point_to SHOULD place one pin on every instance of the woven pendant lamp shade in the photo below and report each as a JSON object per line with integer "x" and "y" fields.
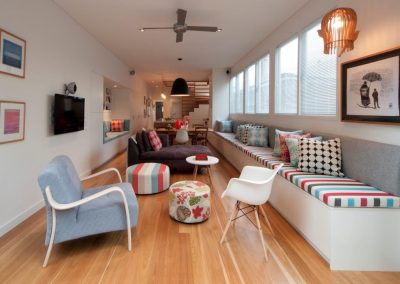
{"x": 338, "y": 29}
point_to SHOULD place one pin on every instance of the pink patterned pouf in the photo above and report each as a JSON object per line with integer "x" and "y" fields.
{"x": 189, "y": 201}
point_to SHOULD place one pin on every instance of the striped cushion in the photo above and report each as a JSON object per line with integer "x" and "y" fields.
{"x": 148, "y": 178}
{"x": 331, "y": 190}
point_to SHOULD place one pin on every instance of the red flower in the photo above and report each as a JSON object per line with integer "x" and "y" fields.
{"x": 197, "y": 212}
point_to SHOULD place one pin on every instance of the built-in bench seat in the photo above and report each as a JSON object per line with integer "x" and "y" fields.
{"x": 333, "y": 191}
{"x": 354, "y": 226}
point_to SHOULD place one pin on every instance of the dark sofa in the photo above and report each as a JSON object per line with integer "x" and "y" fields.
{"x": 173, "y": 156}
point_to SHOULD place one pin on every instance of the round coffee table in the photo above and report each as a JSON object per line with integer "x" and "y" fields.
{"x": 207, "y": 163}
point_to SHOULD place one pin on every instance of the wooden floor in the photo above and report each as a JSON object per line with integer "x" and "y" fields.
{"x": 165, "y": 251}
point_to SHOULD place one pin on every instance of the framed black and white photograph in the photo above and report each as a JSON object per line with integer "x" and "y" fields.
{"x": 371, "y": 89}
{"x": 12, "y": 54}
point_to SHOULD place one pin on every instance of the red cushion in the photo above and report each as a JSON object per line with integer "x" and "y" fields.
{"x": 117, "y": 125}
{"x": 155, "y": 141}
{"x": 285, "y": 155}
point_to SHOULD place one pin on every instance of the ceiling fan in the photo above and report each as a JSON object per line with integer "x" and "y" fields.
{"x": 181, "y": 27}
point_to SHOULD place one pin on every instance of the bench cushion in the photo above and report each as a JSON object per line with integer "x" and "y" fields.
{"x": 333, "y": 191}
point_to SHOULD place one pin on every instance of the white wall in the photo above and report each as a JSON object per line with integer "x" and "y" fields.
{"x": 58, "y": 51}
{"x": 379, "y": 25}
{"x": 120, "y": 104}
{"x": 139, "y": 90}
{"x": 219, "y": 106}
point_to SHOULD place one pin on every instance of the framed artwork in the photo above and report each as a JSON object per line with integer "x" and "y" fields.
{"x": 12, "y": 54}
{"x": 12, "y": 121}
{"x": 107, "y": 100}
{"x": 371, "y": 89}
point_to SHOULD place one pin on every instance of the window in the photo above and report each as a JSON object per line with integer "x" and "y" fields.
{"x": 317, "y": 76}
{"x": 250, "y": 89}
{"x": 240, "y": 91}
{"x": 262, "y": 85}
{"x": 309, "y": 89}
{"x": 232, "y": 95}
{"x": 286, "y": 81}
{"x": 236, "y": 94}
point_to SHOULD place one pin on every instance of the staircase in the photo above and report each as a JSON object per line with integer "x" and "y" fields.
{"x": 199, "y": 114}
{"x": 191, "y": 102}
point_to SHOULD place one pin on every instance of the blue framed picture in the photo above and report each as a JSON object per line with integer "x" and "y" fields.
{"x": 12, "y": 54}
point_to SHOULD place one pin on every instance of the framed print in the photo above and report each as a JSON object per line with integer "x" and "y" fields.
{"x": 370, "y": 88}
{"x": 12, "y": 121}
{"x": 12, "y": 54}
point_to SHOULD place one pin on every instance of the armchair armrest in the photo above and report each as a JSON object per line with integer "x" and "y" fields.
{"x": 103, "y": 172}
{"x": 66, "y": 206}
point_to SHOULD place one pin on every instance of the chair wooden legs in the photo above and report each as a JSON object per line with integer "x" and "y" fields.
{"x": 266, "y": 220}
{"x": 261, "y": 235}
{"x": 53, "y": 232}
{"x": 233, "y": 215}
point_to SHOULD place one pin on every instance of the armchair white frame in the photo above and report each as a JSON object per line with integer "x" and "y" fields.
{"x": 253, "y": 187}
{"x": 55, "y": 206}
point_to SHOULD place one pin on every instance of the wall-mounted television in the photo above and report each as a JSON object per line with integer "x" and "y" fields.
{"x": 69, "y": 114}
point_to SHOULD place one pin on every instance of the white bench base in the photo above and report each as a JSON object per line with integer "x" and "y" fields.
{"x": 358, "y": 239}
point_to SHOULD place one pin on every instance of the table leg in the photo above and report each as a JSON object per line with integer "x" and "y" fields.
{"x": 209, "y": 176}
{"x": 195, "y": 172}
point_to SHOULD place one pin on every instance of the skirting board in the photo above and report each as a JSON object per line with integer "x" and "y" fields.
{"x": 359, "y": 239}
{"x": 20, "y": 218}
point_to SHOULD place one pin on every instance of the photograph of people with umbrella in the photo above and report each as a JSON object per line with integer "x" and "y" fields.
{"x": 370, "y": 88}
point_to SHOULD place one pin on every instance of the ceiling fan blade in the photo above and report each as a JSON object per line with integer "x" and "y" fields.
{"x": 157, "y": 28}
{"x": 179, "y": 37}
{"x": 202, "y": 29}
{"x": 181, "y": 16}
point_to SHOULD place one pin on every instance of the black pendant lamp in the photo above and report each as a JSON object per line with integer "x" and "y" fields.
{"x": 180, "y": 88}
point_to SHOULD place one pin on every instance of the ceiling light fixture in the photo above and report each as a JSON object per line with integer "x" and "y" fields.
{"x": 180, "y": 88}
{"x": 338, "y": 29}
{"x": 180, "y": 59}
{"x": 142, "y": 30}
{"x": 115, "y": 86}
{"x": 163, "y": 96}
{"x": 219, "y": 30}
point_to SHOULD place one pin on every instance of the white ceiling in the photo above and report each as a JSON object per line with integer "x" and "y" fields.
{"x": 154, "y": 54}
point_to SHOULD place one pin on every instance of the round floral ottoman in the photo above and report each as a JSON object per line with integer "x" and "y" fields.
{"x": 148, "y": 178}
{"x": 189, "y": 201}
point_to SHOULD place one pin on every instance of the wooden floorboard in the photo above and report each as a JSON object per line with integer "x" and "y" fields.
{"x": 165, "y": 251}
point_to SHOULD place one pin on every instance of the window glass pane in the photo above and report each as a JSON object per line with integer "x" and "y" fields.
{"x": 317, "y": 76}
{"x": 286, "y": 81}
{"x": 250, "y": 89}
{"x": 262, "y": 82}
{"x": 232, "y": 95}
{"x": 239, "y": 94}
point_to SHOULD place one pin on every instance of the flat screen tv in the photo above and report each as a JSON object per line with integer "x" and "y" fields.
{"x": 69, "y": 114}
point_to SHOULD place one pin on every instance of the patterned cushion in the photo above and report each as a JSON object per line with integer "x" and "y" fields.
{"x": 322, "y": 157}
{"x": 224, "y": 126}
{"x": 107, "y": 126}
{"x": 277, "y": 144}
{"x": 117, "y": 125}
{"x": 257, "y": 137}
{"x": 292, "y": 144}
{"x": 155, "y": 141}
{"x": 239, "y": 131}
{"x": 285, "y": 155}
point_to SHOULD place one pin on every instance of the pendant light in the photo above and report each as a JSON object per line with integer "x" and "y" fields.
{"x": 180, "y": 88}
{"x": 338, "y": 29}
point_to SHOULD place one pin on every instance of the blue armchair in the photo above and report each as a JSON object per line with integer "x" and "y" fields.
{"x": 73, "y": 213}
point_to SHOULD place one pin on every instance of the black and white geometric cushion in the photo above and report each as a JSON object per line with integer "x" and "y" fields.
{"x": 321, "y": 157}
{"x": 245, "y": 132}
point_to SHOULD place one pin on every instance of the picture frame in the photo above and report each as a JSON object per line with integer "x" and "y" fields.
{"x": 12, "y": 54}
{"x": 370, "y": 88}
{"x": 12, "y": 121}
{"x": 107, "y": 99}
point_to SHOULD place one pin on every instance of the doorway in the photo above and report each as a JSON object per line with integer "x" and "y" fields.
{"x": 159, "y": 110}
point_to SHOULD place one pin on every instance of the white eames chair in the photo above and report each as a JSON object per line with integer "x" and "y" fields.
{"x": 253, "y": 188}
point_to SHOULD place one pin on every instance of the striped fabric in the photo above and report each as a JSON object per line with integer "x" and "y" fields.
{"x": 331, "y": 190}
{"x": 148, "y": 178}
